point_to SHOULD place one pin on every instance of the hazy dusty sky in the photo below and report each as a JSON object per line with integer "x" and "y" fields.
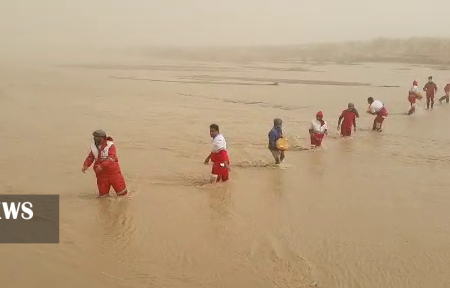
{"x": 214, "y": 22}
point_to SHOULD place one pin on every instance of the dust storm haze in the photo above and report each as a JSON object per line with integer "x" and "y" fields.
{"x": 56, "y": 24}
{"x": 369, "y": 211}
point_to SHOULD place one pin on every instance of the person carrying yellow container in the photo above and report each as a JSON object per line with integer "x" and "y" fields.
{"x": 277, "y": 143}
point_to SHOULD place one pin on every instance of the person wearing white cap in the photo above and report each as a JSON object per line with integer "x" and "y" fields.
{"x": 103, "y": 155}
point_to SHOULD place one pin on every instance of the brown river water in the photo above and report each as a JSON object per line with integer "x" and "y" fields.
{"x": 372, "y": 211}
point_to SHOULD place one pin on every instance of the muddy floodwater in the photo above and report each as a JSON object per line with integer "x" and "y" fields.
{"x": 367, "y": 212}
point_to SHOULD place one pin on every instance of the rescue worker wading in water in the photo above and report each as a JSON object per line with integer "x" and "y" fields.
{"x": 413, "y": 96}
{"x": 376, "y": 107}
{"x": 446, "y": 97}
{"x": 430, "y": 88}
{"x": 106, "y": 165}
{"x": 219, "y": 156}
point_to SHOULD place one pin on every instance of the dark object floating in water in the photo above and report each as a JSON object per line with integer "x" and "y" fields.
{"x": 192, "y": 81}
{"x": 285, "y": 81}
{"x": 388, "y": 86}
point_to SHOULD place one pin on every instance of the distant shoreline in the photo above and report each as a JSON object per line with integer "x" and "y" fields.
{"x": 423, "y": 51}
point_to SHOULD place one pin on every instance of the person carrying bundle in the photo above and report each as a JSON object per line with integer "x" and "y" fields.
{"x": 413, "y": 96}
{"x": 376, "y": 107}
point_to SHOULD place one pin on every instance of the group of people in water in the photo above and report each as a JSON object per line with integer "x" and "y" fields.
{"x": 430, "y": 89}
{"x": 105, "y": 162}
{"x": 319, "y": 127}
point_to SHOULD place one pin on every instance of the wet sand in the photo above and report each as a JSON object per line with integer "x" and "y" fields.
{"x": 371, "y": 211}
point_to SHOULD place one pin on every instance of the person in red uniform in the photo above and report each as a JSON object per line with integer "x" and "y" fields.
{"x": 219, "y": 156}
{"x": 430, "y": 88}
{"x": 349, "y": 116}
{"x": 376, "y": 107}
{"x": 318, "y": 130}
{"x": 413, "y": 96}
{"x": 446, "y": 97}
{"x": 106, "y": 165}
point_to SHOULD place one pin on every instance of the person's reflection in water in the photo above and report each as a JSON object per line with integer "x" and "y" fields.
{"x": 219, "y": 200}
{"x": 276, "y": 184}
{"x": 346, "y": 145}
{"x": 375, "y": 139}
{"x": 344, "y": 161}
{"x": 115, "y": 222}
{"x": 317, "y": 167}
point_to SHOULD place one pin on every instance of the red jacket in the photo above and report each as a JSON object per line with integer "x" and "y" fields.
{"x": 106, "y": 158}
{"x": 430, "y": 88}
{"x": 447, "y": 88}
{"x": 348, "y": 117}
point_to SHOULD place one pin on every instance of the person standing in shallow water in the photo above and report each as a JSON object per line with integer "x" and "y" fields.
{"x": 275, "y": 134}
{"x": 318, "y": 130}
{"x": 106, "y": 165}
{"x": 430, "y": 88}
{"x": 349, "y": 116}
{"x": 446, "y": 97}
{"x": 219, "y": 156}
{"x": 376, "y": 107}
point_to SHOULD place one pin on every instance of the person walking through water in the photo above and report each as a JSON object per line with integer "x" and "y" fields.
{"x": 219, "y": 156}
{"x": 413, "y": 96}
{"x": 376, "y": 107}
{"x": 430, "y": 88}
{"x": 274, "y": 135}
{"x": 446, "y": 97}
{"x": 106, "y": 165}
{"x": 318, "y": 130}
{"x": 349, "y": 116}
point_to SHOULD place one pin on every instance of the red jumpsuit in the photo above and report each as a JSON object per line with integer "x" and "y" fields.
{"x": 110, "y": 175}
{"x": 349, "y": 117}
{"x": 218, "y": 167}
{"x": 431, "y": 89}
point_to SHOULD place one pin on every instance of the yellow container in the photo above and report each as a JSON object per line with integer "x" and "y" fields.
{"x": 282, "y": 144}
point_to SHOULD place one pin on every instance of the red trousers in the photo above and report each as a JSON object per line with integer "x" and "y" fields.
{"x": 346, "y": 130}
{"x": 105, "y": 181}
{"x": 316, "y": 139}
{"x": 221, "y": 172}
{"x": 378, "y": 121}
